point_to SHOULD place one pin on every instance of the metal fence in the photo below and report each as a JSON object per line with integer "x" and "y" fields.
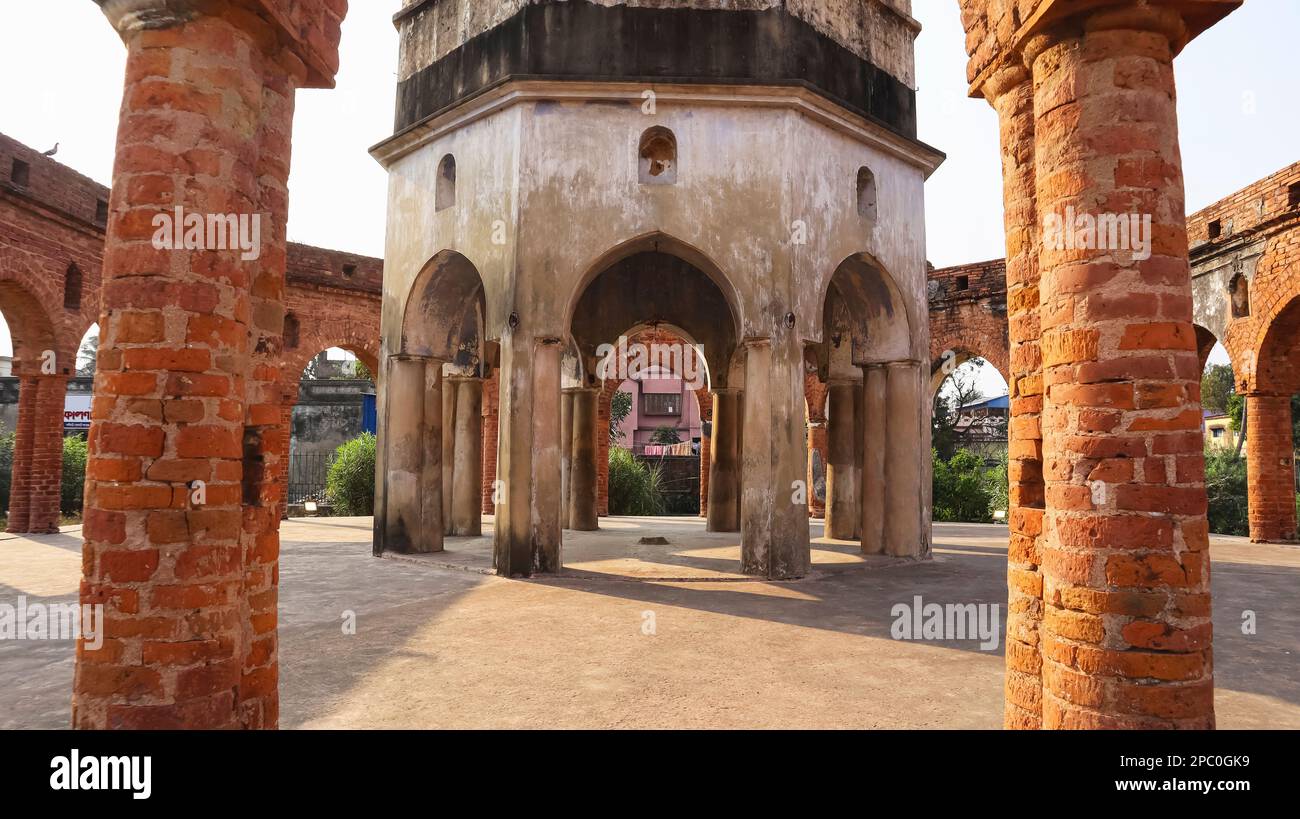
{"x": 307, "y": 473}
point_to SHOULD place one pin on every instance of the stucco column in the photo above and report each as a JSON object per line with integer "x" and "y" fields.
{"x": 1270, "y": 468}
{"x": 859, "y": 453}
{"x": 1011, "y": 94}
{"x": 1126, "y": 587}
{"x": 724, "y": 463}
{"x": 467, "y": 466}
{"x": 903, "y": 453}
{"x": 875, "y": 436}
{"x": 404, "y": 453}
{"x": 448, "y": 430}
{"x": 705, "y": 400}
{"x": 582, "y": 480}
{"x": 841, "y": 491}
{"x": 774, "y": 528}
{"x": 817, "y": 447}
{"x": 432, "y": 488}
{"x": 566, "y": 453}
{"x": 527, "y": 535}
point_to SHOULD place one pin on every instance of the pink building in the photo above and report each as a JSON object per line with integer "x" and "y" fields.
{"x": 659, "y": 402}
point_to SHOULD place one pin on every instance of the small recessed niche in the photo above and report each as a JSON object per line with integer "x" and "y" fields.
{"x": 20, "y": 173}
{"x": 658, "y": 157}
{"x": 1293, "y": 195}
{"x": 292, "y": 331}
{"x": 101, "y": 212}
{"x": 963, "y": 282}
{"x": 349, "y": 270}
{"x": 1239, "y": 295}
{"x": 72, "y": 288}
{"x": 866, "y": 194}
{"x": 1216, "y": 229}
{"x": 445, "y": 191}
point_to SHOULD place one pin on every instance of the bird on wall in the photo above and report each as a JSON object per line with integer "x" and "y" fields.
{"x": 52, "y": 151}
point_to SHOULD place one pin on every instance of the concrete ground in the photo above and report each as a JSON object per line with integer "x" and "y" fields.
{"x": 647, "y": 635}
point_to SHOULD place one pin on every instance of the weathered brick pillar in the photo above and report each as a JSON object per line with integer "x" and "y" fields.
{"x": 1126, "y": 626}
{"x": 704, "y": 399}
{"x": 1012, "y": 95}
{"x": 1270, "y": 465}
{"x": 45, "y": 477}
{"x": 490, "y": 421}
{"x": 817, "y": 448}
{"x": 583, "y": 470}
{"x": 186, "y": 388}
{"x": 566, "y": 453}
{"x": 603, "y": 410}
{"x": 725, "y": 483}
{"x": 20, "y": 496}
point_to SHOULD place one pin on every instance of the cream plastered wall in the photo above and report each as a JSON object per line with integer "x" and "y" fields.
{"x": 547, "y": 188}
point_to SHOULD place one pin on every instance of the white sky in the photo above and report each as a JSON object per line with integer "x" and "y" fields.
{"x": 63, "y": 68}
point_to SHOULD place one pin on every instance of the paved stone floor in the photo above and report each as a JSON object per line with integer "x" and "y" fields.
{"x": 647, "y": 636}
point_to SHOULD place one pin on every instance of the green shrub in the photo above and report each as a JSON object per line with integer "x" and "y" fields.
{"x": 961, "y": 489}
{"x": 634, "y": 488}
{"x": 350, "y": 484}
{"x": 6, "y": 470}
{"x": 73, "y": 490}
{"x": 1225, "y": 488}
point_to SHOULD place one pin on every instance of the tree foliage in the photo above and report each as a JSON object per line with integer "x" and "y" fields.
{"x": 634, "y": 488}
{"x": 350, "y": 483}
{"x": 73, "y": 489}
{"x": 1225, "y": 488}
{"x": 1217, "y": 386}
{"x": 620, "y": 407}
{"x": 962, "y": 489}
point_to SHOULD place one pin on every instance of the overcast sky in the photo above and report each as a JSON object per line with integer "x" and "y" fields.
{"x": 62, "y": 67}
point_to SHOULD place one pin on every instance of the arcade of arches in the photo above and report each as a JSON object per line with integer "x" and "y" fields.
{"x": 1108, "y": 622}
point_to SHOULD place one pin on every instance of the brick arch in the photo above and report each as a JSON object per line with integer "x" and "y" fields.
{"x": 1273, "y": 292}
{"x": 961, "y": 351}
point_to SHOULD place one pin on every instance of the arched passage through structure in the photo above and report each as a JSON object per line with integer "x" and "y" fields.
{"x": 42, "y": 361}
{"x": 653, "y": 303}
{"x": 876, "y": 479}
{"x": 1270, "y": 439}
{"x": 430, "y": 412}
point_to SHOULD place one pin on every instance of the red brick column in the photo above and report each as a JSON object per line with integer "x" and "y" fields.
{"x": 20, "y": 491}
{"x": 1012, "y": 96}
{"x": 603, "y": 403}
{"x": 705, "y": 399}
{"x": 817, "y": 447}
{"x": 491, "y": 419}
{"x": 186, "y": 388}
{"x": 1126, "y": 625}
{"x": 1270, "y": 465}
{"x": 36, "y": 486}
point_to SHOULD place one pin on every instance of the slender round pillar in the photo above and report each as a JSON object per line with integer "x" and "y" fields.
{"x": 841, "y": 500}
{"x": 1125, "y": 636}
{"x": 1270, "y": 467}
{"x": 724, "y": 463}
{"x": 432, "y": 489}
{"x": 467, "y": 467}
{"x": 903, "y": 490}
{"x": 582, "y": 481}
{"x": 566, "y": 453}
{"x": 875, "y": 436}
{"x": 448, "y": 453}
{"x": 404, "y": 455}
